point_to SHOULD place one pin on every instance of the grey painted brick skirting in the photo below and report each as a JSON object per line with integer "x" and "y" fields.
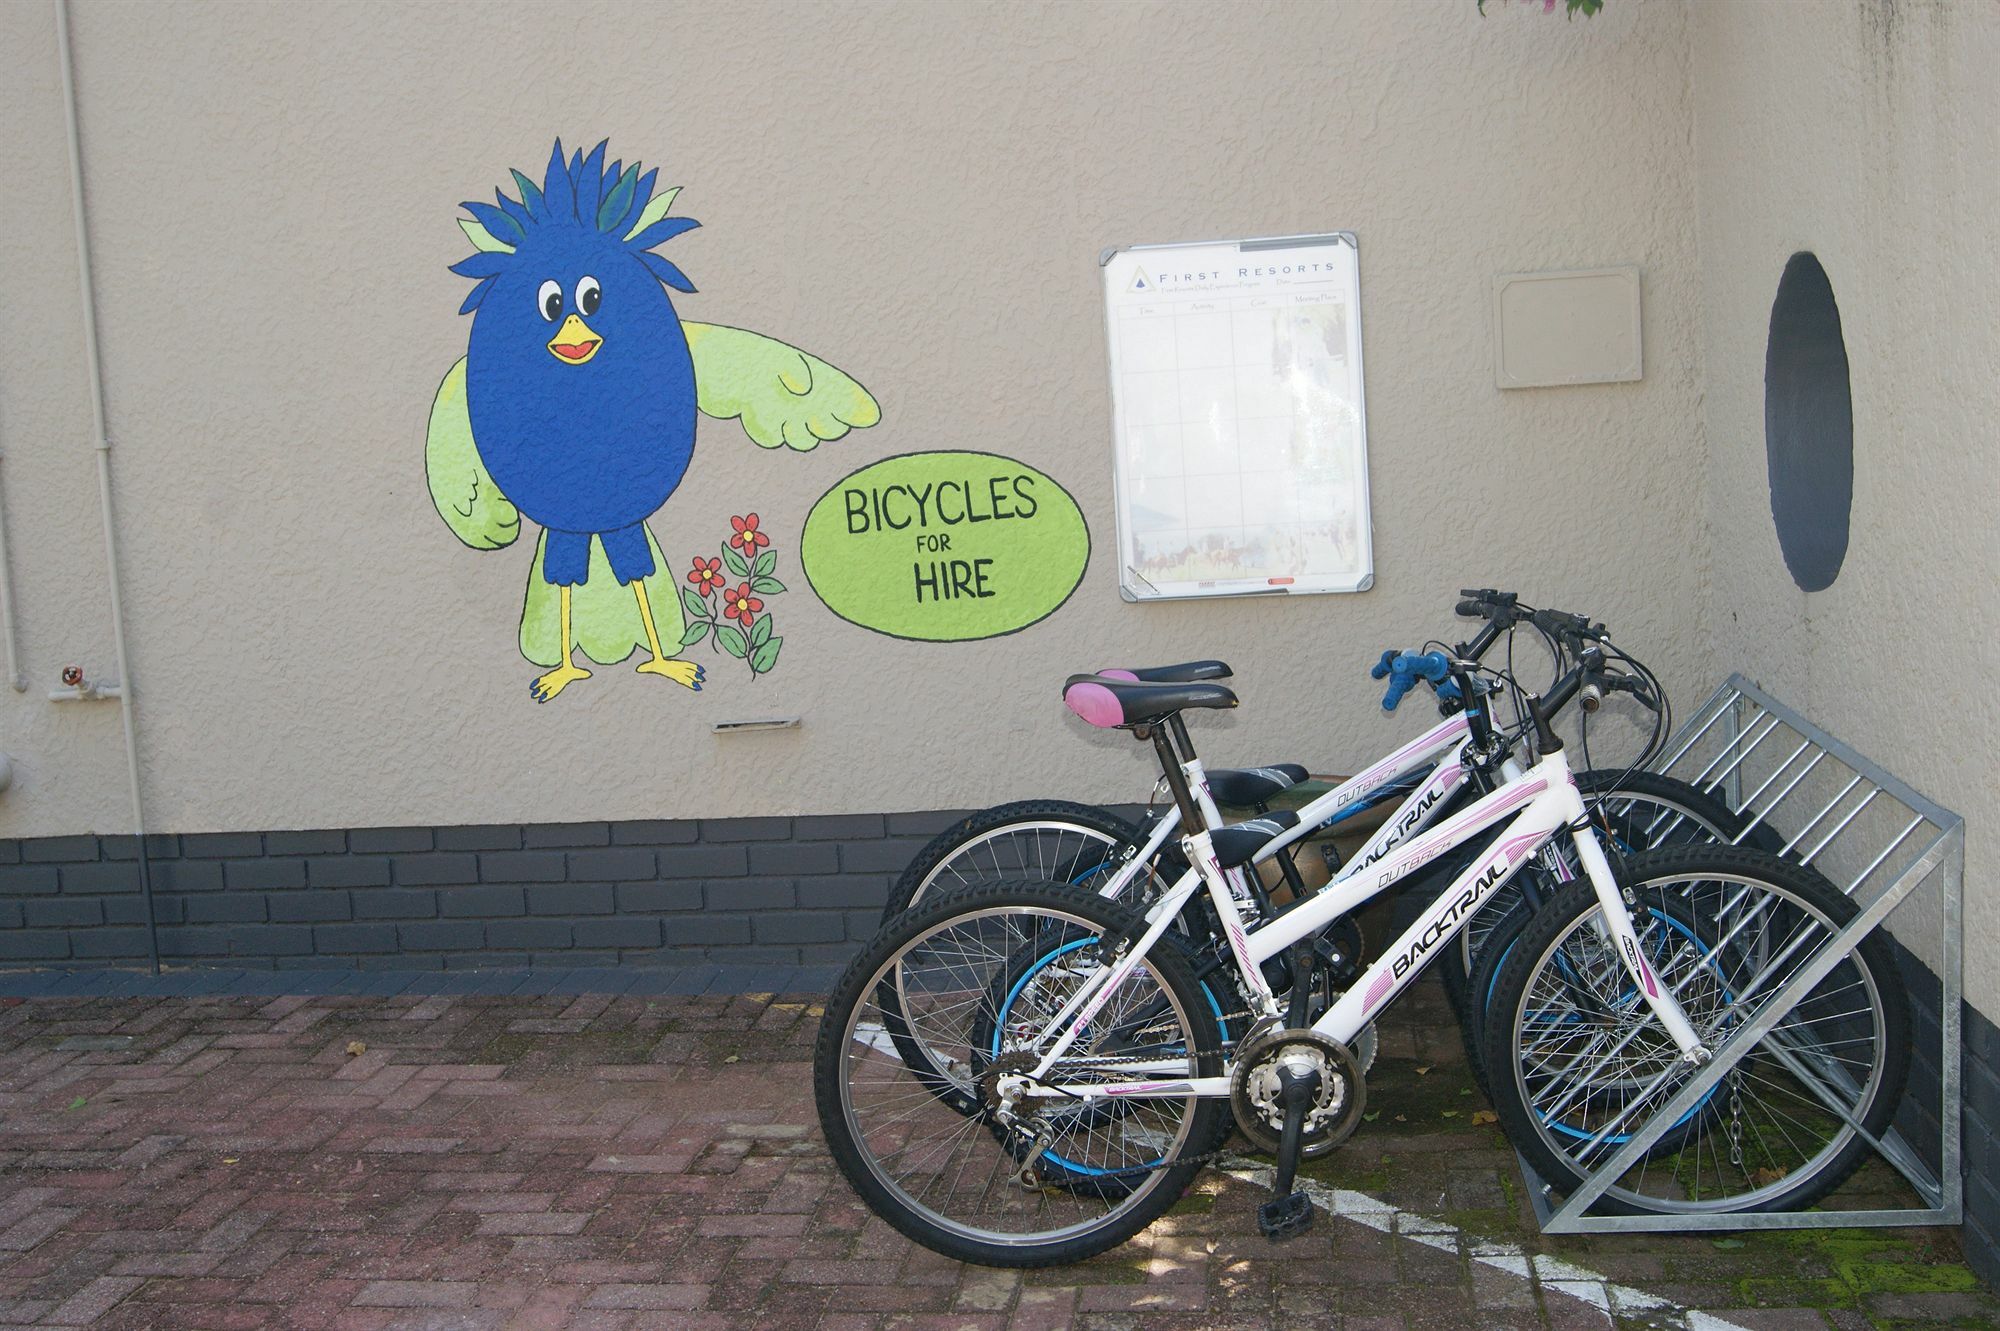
{"x": 737, "y": 891}
{"x": 1980, "y": 1094}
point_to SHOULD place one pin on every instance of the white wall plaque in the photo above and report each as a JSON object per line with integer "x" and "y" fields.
{"x": 1578, "y": 327}
{"x": 1241, "y": 440}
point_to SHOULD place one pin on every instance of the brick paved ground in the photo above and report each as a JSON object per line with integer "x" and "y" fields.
{"x": 600, "y": 1161}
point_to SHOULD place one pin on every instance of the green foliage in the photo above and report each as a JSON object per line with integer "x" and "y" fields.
{"x": 729, "y": 617}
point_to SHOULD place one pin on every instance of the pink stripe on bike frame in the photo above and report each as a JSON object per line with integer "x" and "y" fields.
{"x": 1514, "y": 847}
{"x": 1401, "y": 758}
{"x": 1095, "y": 704}
{"x": 1125, "y": 675}
{"x": 1383, "y": 983}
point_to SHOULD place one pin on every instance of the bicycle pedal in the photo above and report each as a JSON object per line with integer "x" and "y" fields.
{"x": 1285, "y": 1217}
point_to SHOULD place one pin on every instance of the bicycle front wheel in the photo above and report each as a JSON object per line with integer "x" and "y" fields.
{"x": 1633, "y": 812}
{"x": 1578, "y": 1064}
{"x": 1070, "y": 1175}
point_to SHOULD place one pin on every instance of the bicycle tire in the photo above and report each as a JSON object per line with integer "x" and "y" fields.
{"x": 1728, "y": 900}
{"x": 848, "y": 1040}
{"x": 1696, "y": 813}
{"x": 967, "y": 851}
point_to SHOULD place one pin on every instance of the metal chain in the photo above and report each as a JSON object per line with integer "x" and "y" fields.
{"x": 1735, "y": 1119}
{"x": 1026, "y": 1175}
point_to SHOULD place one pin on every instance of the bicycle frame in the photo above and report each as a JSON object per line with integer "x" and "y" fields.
{"x": 1542, "y": 802}
{"x": 1440, "y": 748}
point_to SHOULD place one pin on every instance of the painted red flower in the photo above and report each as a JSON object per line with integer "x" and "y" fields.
{"x": 706, "y": 574}
{"x": 747, "y": 538}
{"x": 741, "y": 606}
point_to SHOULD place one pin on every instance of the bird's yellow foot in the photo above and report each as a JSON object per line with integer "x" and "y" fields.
{"x": 680, "y": 672}
{"x": 548, "y": 686}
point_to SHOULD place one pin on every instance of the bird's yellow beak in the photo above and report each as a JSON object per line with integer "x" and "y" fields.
{"x": 575, "y": 343}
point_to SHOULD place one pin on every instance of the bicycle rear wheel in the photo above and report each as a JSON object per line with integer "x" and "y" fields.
{"x": 1578, "y": 1063}
{"x": 979, "y": 972}
{"x": 1045, "y": 840}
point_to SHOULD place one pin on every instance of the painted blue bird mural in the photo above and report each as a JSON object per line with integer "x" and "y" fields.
{"x": 575, "y": 405}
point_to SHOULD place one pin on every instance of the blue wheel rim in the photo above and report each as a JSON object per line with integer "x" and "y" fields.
{"x": 1000, "y": 1028}
{"x": 1624, "y": 995}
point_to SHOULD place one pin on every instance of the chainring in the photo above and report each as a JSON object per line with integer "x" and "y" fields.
{"x": 1335, "y": 1112}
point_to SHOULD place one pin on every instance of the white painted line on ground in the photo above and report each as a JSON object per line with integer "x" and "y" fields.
{"x": 1551, "y": 1273}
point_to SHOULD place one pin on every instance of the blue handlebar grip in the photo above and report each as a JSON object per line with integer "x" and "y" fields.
{"x": 1404, "y": 669}
{"x": 1380, "y": 670}
{"x": 1433, "y": 666}
{"x": 1400, "y": 682}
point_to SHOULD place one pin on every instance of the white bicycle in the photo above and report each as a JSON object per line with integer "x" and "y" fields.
{"x": 1097, "y": 1078}
{"x": 1425, "y": 779}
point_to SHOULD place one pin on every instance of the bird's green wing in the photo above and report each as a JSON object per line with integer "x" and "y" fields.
{"x": 466, "y": 497}
{"x": 784, "y": 395}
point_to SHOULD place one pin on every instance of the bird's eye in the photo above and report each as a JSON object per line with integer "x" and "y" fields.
{"x": 588, "y": 294}
{"x": 549, "y": 300}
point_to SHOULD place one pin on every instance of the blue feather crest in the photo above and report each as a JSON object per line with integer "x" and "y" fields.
{"x": 577, "y": 192}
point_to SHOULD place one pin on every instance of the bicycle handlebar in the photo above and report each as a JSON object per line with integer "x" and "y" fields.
{"x": 1404, "y": 669}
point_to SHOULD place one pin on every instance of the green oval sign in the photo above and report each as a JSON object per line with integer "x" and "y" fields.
{"x": 945, "y": 547}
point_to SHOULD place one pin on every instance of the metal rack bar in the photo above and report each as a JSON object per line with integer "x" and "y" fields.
{"x": 1935, "y": 860}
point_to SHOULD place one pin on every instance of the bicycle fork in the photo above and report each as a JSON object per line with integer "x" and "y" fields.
{"x": 1616, "y": 915}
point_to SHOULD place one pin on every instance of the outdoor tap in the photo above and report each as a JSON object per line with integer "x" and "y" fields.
{"x": 78, "y": 689}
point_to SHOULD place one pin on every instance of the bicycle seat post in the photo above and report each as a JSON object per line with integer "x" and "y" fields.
{"x": 1170, "y": 767}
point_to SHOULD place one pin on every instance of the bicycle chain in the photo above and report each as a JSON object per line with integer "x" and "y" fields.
{"x": 1735, "y": 1119}
{"x": 1038, "y": 1146}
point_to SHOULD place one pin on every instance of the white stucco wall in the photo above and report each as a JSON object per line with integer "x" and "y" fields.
{"x": 916, "y": 192}
{"x": 1870, "y": 135}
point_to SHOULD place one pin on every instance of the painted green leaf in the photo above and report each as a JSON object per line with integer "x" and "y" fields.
{"x": 482, "y": 239}
{"x": 531, "y": 193}
{"x": 696, "y": 607}
{"x": 695, "y": 632}
{"x": 766, "y": 656}
{"x": 731, "y": 639}
{"x": 619, "y": 199}
{"x": 766, "y": 586}
{"x": 760, "y": 632}
{"x": 945, "y": 547}
{"x": 766, "y": 562}
{"x": 735, "y": 562}
{"x": 653, "y": 211}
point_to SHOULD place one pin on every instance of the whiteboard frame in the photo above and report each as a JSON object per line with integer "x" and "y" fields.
{"x": 1127, "y": 575}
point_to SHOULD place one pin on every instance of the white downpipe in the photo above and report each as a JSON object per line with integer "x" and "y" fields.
{"x": 96, "y": 374}
{"x": 14, "y": 675}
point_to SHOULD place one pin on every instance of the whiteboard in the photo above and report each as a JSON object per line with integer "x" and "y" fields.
{"x": 1241, "y": 441}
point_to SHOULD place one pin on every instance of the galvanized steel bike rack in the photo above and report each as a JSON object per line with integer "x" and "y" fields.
{"x": 1768, "y": 762}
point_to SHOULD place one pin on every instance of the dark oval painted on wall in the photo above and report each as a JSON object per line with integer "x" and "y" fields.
{"x": 945, "y": 547}
{"x": 1808, "y": 425}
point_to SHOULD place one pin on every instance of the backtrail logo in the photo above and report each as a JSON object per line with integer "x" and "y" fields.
{"x": 1416, "y": 814}
{"x": 1444, "y": 925}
